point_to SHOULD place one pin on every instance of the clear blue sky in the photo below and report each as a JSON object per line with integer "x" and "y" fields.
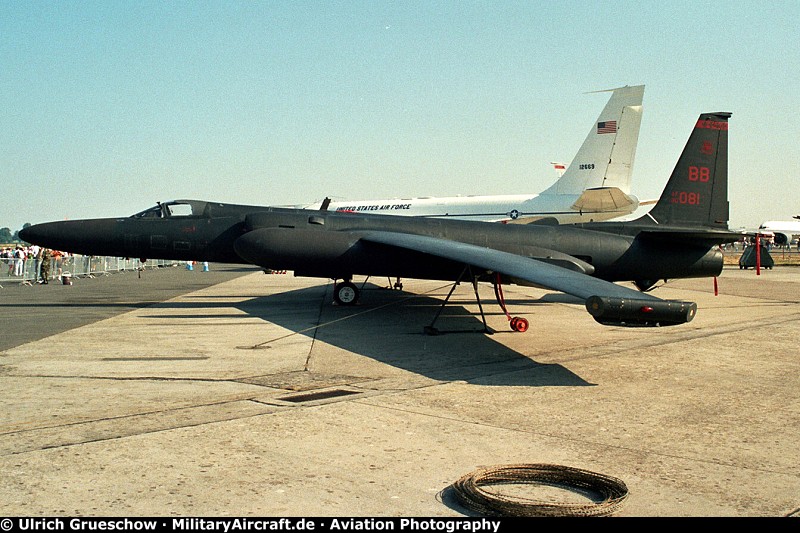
{"x": 108, "y": 107}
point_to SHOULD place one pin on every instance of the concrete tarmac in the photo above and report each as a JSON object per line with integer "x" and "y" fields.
{"x": 252, "y": 395}
{"x": 31, "y": 312}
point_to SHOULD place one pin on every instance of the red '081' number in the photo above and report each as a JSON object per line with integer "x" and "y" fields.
{"x": 686, "y": 198}
{"x": 698, "y": 174}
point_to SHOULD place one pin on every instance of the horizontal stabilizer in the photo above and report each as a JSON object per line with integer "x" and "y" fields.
{"x": 605, "y": 199}
{"x": 689, "y": 236}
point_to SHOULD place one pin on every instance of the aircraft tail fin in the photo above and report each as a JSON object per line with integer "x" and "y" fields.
{"x": 696, "y": 195}
{"x": 606, "y": 157}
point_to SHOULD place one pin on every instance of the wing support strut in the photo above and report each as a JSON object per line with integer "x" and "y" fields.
{"x": 432, "y": 330}
{"x": 517, "y": 323}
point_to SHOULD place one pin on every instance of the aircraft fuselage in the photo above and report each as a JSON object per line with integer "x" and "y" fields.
{"x": 327, "y": 244}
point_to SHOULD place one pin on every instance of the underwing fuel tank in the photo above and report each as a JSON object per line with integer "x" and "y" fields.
{"x": 631, "y": 312}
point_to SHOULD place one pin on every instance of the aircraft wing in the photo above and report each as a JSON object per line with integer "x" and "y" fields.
{"x": 532, "y": 270}
{"x": 608, "y": 302}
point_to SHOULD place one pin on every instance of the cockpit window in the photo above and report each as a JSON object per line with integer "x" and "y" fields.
{"x": 153, "y": 212}
{"x": 179, "y": 210}
{"x": 172, "y": 209}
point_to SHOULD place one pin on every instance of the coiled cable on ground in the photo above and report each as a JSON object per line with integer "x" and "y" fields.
{"x": 606, "y": 492}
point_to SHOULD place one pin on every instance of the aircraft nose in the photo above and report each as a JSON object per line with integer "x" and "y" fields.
{"x": 90, "y": 237}
{"x": 27, "y": 235}
{"x": 41, "y": 234}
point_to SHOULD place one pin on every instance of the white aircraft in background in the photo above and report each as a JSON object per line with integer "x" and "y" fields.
{"x": 594, "y": 187}
{"x": 785, "y": 231}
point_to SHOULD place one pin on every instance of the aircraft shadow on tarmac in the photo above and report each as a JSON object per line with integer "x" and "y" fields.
{"x": 387, "y": 326}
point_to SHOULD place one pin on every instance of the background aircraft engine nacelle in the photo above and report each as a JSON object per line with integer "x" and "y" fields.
{"x": 632, "y": 312}
{"x": 293, "y": 248}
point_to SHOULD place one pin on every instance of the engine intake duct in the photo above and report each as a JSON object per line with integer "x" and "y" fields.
{"x": 631, "y": 312}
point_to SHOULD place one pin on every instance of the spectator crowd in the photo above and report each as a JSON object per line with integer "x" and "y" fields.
{"x": 48, "y": 264}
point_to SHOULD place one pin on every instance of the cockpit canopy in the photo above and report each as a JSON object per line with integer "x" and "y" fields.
{"x": 175, "y": 208}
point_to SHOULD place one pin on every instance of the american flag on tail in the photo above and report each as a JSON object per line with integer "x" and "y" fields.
{"x": 609, "y": 126}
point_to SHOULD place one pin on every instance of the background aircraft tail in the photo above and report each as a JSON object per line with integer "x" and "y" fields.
{"x": 606, "y": 157}
{"x": 696, "y": 195}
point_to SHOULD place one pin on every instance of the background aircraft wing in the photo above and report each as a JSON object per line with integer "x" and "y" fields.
{"x": 534, "y": 271}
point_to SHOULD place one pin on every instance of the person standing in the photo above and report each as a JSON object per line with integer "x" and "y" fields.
{"x": 19, "y": 261}
{"x": 36, "y": 253}
{"x": 58, "y": 256}
{"x": 45, "y": 266}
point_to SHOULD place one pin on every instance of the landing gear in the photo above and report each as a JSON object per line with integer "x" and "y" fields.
{"x": 517, "y": 323}
{"x": 431, "y": 330}
{"x": 345, "y": 293}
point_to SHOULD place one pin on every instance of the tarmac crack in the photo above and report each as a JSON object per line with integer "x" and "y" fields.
{"x": 316, "y": 328}
{"x": 771, "y": 299}
{"x": 89, "y": 431}
{"x": 685, "y": 336}
{"x": 129, "y": 378}
{"x": 366, "y": 401}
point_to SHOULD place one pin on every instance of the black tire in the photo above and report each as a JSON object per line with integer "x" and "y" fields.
{"x": 345, "y": 293}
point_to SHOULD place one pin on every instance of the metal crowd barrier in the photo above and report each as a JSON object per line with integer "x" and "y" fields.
{"x": 27, "y": 270}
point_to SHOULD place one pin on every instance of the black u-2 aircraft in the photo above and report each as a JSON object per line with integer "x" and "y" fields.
{"x": 678, "y": 238}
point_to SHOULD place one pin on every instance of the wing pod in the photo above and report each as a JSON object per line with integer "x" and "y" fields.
{"x": 612, "y": 311}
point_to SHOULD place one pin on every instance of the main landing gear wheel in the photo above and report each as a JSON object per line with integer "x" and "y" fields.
{"x": 345, "y": 293}
{"x": 519, "y": 324}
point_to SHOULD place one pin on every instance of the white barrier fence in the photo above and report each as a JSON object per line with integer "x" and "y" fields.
{"x": 28, "y": 270}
